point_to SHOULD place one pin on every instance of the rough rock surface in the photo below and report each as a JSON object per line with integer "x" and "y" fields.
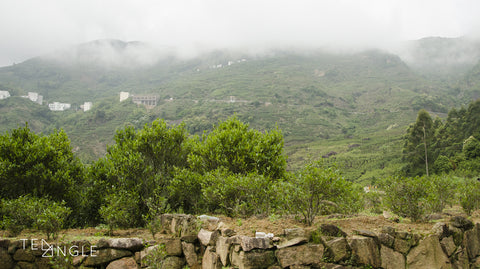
{"x": 339, "y": 248}
{"x": 391, "y": 259}
{"x": 365, "y": 251}
{"x": 428, "y": 254}
{"x": 300, "y": 255}
{"x": 124, "y": 263}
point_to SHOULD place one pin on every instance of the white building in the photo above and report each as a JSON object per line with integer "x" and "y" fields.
{"x": 124, "y": 96}
{"x": 56, "y": 106}
{"x": 4, "y": 94}
{"x": 86, "y": 106}
{"x": 35, "y": 97}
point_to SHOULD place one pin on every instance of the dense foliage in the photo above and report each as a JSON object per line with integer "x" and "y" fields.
{"x": 232, "y": 170}
{"x": 444, "y": 146}
{"x": 32, "y": 212}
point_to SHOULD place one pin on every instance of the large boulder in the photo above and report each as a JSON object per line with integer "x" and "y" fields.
{"x": 173, "y": 247}
{"x": 461, "y": 222}
{"x": 293, "y": 233}
{"x": 132, "y": 244}
{"x": 222, "y": 248}
{"x": 441, "y": 230}
{"x": 190, "y": 254}
{"x": 182, "y": 225}
{"x": 123, "y": 263}
{"x": 448, "y": 245}
{"x": 24, "y": 255}
{"x": 292, "y": 242}
{"x": 104, "y": 256}
{"x": 391, "y": 259}
{"x": 471, "y": 241}
{"x": 211, "y": 260}
{"x": 402, "y": 246}
{"x": 386, "y": 239}
{"x": 256, "y": 259}
{"x": 249, "y": 243}
{"x": 457, "y": 234}
{"x": 331, "y": 230}
{"x": 205, "y": 237}
{"x": 428, "y": 254}
{"x": 173, "y": 262}
{"x": 309, "y": 254}
{"x": 365, "y": 251}
{"x": 339, "y": 249}
{"x": 462, "y": 261}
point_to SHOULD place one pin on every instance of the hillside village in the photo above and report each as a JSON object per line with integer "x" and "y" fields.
{"x": 55, "y": 106}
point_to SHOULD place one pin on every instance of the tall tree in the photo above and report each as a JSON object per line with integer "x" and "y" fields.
{"x": 418, "y": 144}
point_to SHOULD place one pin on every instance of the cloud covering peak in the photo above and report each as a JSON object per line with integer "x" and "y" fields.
{"x": 31, "y": 28}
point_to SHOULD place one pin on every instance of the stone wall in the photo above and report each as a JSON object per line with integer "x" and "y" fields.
{"x": 208, "y": 243}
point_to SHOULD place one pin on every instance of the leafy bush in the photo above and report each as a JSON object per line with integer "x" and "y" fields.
{"x": 319, "y": 190}
{"x": 240, "y": 150}
{"x": 236, "y": 194}
{"x": 373, "y": 201}
{"x": 19, "y": 214}
{"x": 440, "y": 192}
{"x": 52, "y": 218}
{"x": 155, "y": 258}
{"x": 32, "y": 212}
{"x": 121, "y": 210}
{"x": 157, "y": 206}
{"x": 442, "y": 165}
{"x": 469, "y": 195}
{"x": 469, "y": 168}
{"x": 471, "y": 148}
{"x": 405, "y": 196}
{"x": 185, "y": 191}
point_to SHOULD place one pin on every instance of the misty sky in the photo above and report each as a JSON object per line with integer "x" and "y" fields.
{"x": 31, "y": 28}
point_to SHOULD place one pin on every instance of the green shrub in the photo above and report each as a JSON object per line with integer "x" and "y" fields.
{"x": 440, "y": 192}
{"x": 32, "y": 212}
{"x": 469, "y": 195}
{"x": 52, "y": 218}
{"x": 237, "y": 195}
{"x": 155, "y": 258}
{"x": 18, "y": 214}
{"x": 405, "y": 196}
{"x": 121, "y": 210}
{"x": 185, "y": 191}
{"x": 316, "y": 190}
{"x": 373, "y": 201}
{"x": 157, "y": 206}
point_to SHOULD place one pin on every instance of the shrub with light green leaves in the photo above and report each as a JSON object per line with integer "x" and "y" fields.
{"x": 406, "y": 196}
{"x": 121, "y": 210}
{"x": 469, "y": 195}
{"x": 52, "y": 218}
{"x": 32, "y": 212}
{"x": 319, "y": 189}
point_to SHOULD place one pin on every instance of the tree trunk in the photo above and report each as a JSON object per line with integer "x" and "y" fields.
{"x": 425, "y": 144}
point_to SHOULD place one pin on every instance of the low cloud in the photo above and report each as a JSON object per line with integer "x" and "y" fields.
{"x": 31, "y": 28}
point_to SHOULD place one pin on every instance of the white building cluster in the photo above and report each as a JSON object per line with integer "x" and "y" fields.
{"x": 86, "y": 106}
{"x": 34, "y": 97}
{"x": 4, "y": 95}
{"x": 57, "y": 106}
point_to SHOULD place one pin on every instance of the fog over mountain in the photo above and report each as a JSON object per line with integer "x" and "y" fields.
{"x": 30, "y": 28}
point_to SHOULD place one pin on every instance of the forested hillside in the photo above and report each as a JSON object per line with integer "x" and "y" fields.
{"x": 352, "y": 107}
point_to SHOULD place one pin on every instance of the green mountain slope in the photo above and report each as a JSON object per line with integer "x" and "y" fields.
{"x": 357, "y": 105}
